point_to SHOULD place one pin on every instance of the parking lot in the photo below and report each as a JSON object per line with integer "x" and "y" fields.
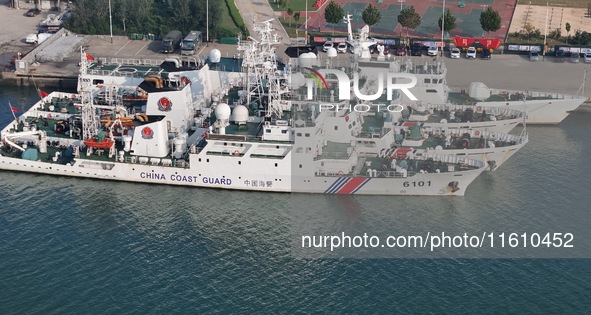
{"x": 15, "y": 27}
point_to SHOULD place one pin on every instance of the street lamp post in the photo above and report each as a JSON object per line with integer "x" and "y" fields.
{"x": 306, "y": 26}
{"x": 110, "y": 21}
{"x": 207, "y": 20}
{"x": 545, "y": 34}
{"x": 442, "y": 28}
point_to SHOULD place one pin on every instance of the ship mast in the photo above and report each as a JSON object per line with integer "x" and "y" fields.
{"x": 90, "y": 122}
{"x": 260, "y": 65}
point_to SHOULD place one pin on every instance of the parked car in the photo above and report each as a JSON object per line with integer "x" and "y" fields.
{"x": 342, "y": 48}
{"x": 560, "y": 55}
{"x": 390, "y": 49}
{"x": 471, "y": 53}
{"x": 416, "y": 50}
{"x": 432, "y": 51}
{"x": 33, "y": 12}
{"x": 588, "y": 58}
{"x": 171, "y": 41}
{"x": 37, "y": 38}
{"x": 574, "y": 57}
{"x": 534, "y": 56}
{"x": 326, "y": 46}
{"x": 455, "y": 53}
{"x": 485, "y": 54}
{"x": 400, "y": 50}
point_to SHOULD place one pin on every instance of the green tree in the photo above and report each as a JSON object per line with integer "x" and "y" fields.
{"x": 333, "y": 14}
{"x": 409, "y": 18}
{"x": 371, "y": 15}
{"x": 567, "y": 26}
{"x": 450, "y": 21}
{"x": 490, "y": 20}
{"x": 289, "y": 13}
{"x": 296, "y": 17}
{"x": 581, "y": 38}
{"x": 529, "y": 30}
{"x": 145, "y": 16}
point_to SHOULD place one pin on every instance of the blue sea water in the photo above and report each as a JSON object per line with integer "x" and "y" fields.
{"x": 77, "y": 246}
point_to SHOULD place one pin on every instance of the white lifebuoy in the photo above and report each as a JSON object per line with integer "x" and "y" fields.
{"x": 48, "y": 115}
{"x": 340, "y": 173}
{"x": 477, "y": 133}
{"x": 236, "y": 153}
{"x": 478, "y": 108}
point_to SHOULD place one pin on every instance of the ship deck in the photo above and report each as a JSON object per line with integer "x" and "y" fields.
{"x": 465, "y": 99}
{"x": 384, "y": 167}
{"x": 474, "y": 143}
{"x": 140, "y": 68}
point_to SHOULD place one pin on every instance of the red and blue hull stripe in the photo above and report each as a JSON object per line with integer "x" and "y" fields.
{"x": 347, "y": 185}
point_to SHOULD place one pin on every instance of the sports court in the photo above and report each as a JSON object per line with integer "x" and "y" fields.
{"x": 554, "y": 16}
{"x": 467, "y": 17}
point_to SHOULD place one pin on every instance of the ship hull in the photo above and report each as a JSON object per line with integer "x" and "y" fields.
{"x": 436, "y": 184}
{"x": 494, "y": 157}
{"x": 541, "y": 112}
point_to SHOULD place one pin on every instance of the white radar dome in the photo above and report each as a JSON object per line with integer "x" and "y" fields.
{"x": 240, "y": 114}
{"x": 332, "y": 52}
{"x": 215, "y": 55}
{"x": 222, "y": 111}
{"x": 307, "y": 59}
{"x": 297, "y": 80}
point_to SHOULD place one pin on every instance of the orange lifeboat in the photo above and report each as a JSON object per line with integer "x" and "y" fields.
{"x": 105, "y": 144}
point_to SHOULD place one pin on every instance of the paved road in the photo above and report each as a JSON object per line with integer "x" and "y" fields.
{"x": 261, "y": 11}
{"x": 15, "y": 27}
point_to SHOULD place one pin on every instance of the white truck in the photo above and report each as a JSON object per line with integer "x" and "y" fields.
{"x": 37, "y": 38}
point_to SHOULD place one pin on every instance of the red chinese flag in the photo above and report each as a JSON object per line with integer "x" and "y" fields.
{"x": 42, "y": 93}
{"x": 89, "y": 57}
{"x": 14, "y": 109}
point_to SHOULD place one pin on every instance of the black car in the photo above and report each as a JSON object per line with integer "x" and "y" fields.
{"x": 560, "y": 55}
{"x": 416, "y": 50}
{"x": 33, "y": 12}
{"x": 485, "y": 54}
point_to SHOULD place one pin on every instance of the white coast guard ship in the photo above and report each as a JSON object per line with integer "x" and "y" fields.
{"x": 203, "y": 125}
{"x": 432, "y": 89}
